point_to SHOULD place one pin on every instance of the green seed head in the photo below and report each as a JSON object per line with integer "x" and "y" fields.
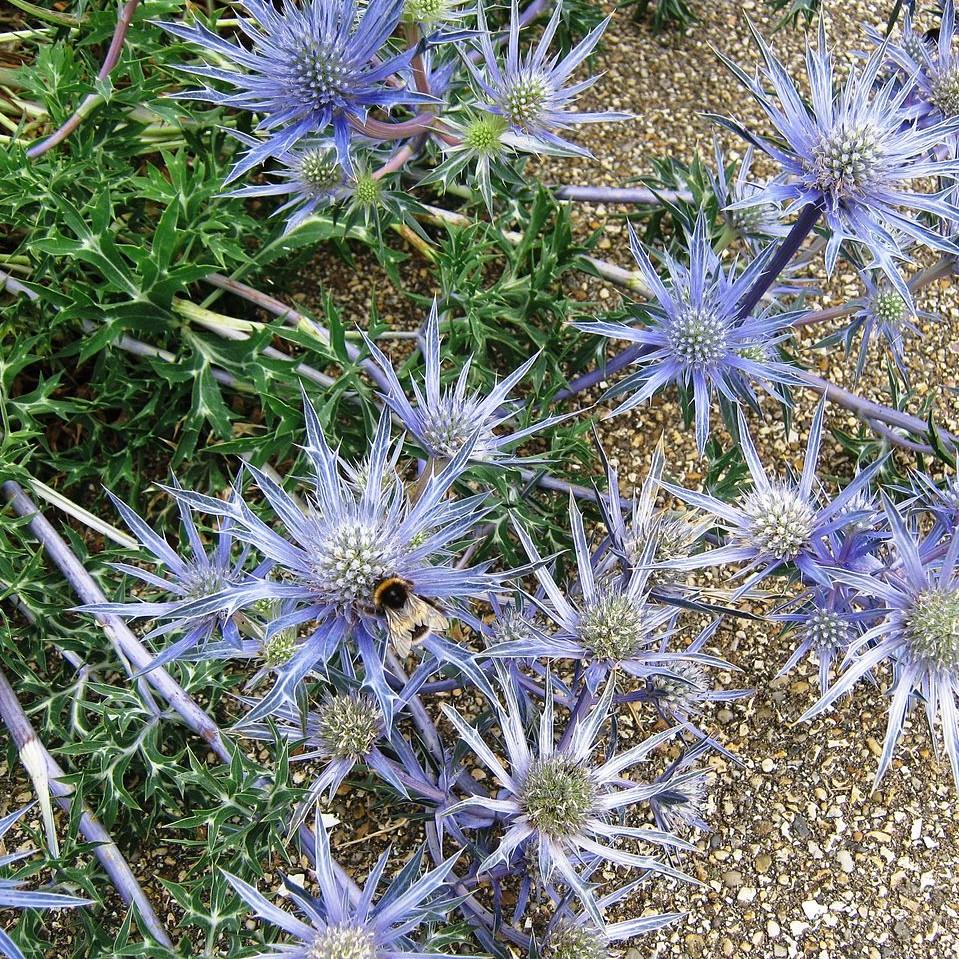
{"x": 945, "y": 91}
{"x": 427, "y": 12}
{"x": 280, "y": 648}
{"x": 827, "y": 630}
{"x": 932, "y": 628}
{"x": 320, "y": 169}
{"x": 889, "y": 307}
{"x": 367, "y": 190}
{"x": 782, "y": 522}
{"x": 559, "y": 795}
{"x": 485, "y": 135}
{"x": 567, "y": 941}
{"x": 612, "y": 626}
{"x": 350, "y": 725}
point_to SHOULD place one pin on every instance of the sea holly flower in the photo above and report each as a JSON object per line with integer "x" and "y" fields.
{"x": 309, "y": 65}
{"x": 311, "y": 176}
{"x": 744, "y": 220}
{"x": 341, "y": 924}
{"x": 826, "y": 626}
{"x": 195, "y": 576}
{"x": 928, "y": 67}
{"x": 675, "y": 534}
{"x": 918, "y": 636}
{"x": 556, "y": 803}
{"x": 693, "y": 336}
{"x": 326, "y": 565}
{"x": 851, "y": 151}
{"x": 530, "y": 92}
{"x": 609, "y": 622}
{"x": 886, "y": 316}
{"x": 444, "y": 420}
{"x": 14, "y": 896}
{"x": 344, "y": 729}
{"x": 778, "y": 522}
{"x": 576, "y": 936}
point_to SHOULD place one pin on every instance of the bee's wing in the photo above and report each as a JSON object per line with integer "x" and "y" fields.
{"x": 412, "y": 623}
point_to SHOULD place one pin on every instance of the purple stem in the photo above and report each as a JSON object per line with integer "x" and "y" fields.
{"x": 119, "y": 633}
{"x": 589, "y": 380}
{"x": 109, "y": 62}
{"x": 869, "y": 411}
{"x": 105, "y": 849}
{"x": 808, "y": 218}
{"x": 613, "y": 194}
{"x": 293, "y": 318}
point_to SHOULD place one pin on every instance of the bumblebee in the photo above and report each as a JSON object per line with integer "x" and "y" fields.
{"x": 409, "y": 618}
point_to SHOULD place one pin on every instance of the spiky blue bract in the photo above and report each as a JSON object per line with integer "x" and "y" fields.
{"x": 14, "y": 896}
{"x": 444, "y": 419}
{"x": 360, "y": 526}
{"x": 778, "y": 522}
{"x": 306, "y": 67}
{"x": 927, "y": 66}
{"x": 851, "y": 150}
{"x": 692, "y": 335}
{"x": 196, "y": 575}
{"x": 608, "y": 621}
{"x": 917, "y": 589}
{"x": 533, "y": 92}
{"x": 569, "y": 838}
{"x": 344, "y": 922}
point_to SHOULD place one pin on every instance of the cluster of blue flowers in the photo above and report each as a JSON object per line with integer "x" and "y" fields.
{"x": 334, "y": 87}
{"x": 359, "y": 597}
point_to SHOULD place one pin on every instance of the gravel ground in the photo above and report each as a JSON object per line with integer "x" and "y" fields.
{"x": 802, "y": 860}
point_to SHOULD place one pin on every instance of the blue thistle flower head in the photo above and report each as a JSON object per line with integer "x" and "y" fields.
{"x": 778, "y": 521}
{"x": 851, "y": 150}
{"x": 193, "y": 577}
{"x": 609, "y": 622}
{"x": 310, "y": 176}
{"x": 307, "y": 66}
{"x": 675, "y": 534}
{"x": 576, "y": 936}
{"x": 359, "y": 528}
{"x": 884, "y": 316}
{"x": 556, "y": 803}
{"x": 340, "y": 923}
{"x": 14, "y": 896}
{"x": 826, "y": 626}
{"x": 444, "y": 420}
{"x": 750, "y": 222}
{"x": 532, "y": 92}
{"x": 344, "y": 729}
{"x": 917, "y": 593}
{"x": 693, "y": 337}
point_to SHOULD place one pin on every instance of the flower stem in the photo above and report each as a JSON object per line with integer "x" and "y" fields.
{"x": 293, "y": 318}
{"x": 808, "y": 218}
{"x": 869, "y": 411}
{"x": 104, "y": 848}
{"x": 612, "y": 194}
{"x": 92, "y": 100}
{"x": 127, "y": 644}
